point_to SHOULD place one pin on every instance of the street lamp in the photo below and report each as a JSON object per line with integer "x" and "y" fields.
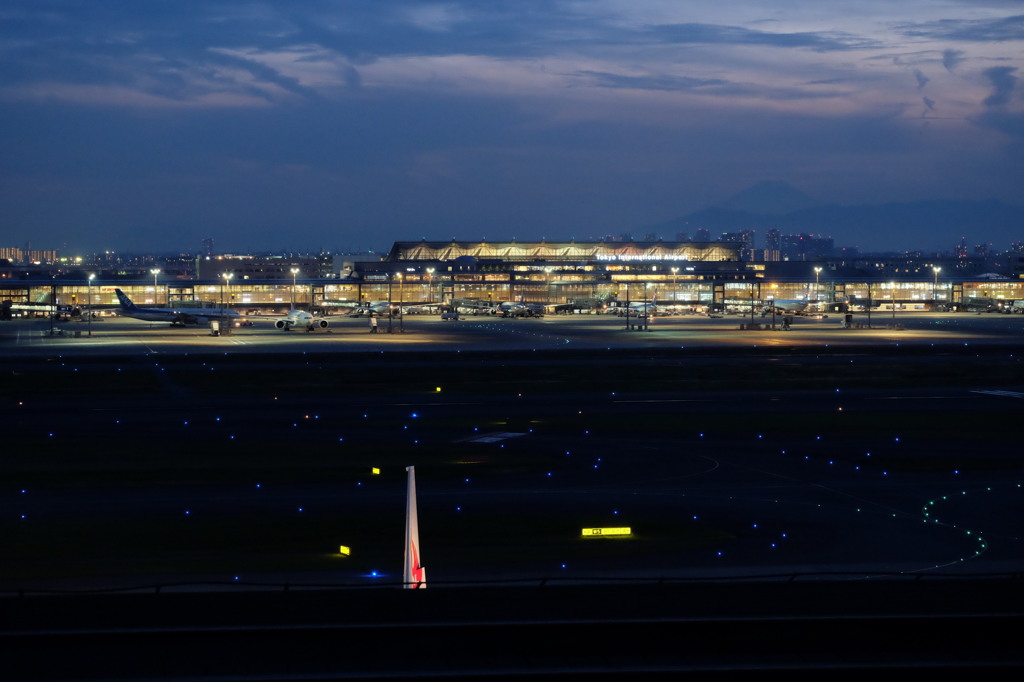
{"x": 869, "y": 305}
{"x": 627, "y": 306}
{"x": 401, "y": 297}
{"x": 92, "y": 276}
{"x": 156, "y": 297}
{"x": 295, "y": 272}
{"x": 751, "y": 305}
{"x": 430, "y": 285}
{"x": 893, "y": 297}
{"x": 53, "y": 302}
{"x": 935, "y": 284}
{"x": 227, "y": 278}
{"x": 391, "y": 307}
{"x": 817, "y": 281}
{"x": 647, "y": 310}
{"x": 675, "y": 285}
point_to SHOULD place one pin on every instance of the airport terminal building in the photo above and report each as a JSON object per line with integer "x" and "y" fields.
{"x": 573, "y": 275}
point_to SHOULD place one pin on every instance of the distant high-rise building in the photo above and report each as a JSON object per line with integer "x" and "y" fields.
{"x": 29, "y": 255}
{"x": 41, "y": 256}
{"x": 702, "y": 235}
{"x": 244, "y": 267}
{"x": 682, "y": 236}
{"x": 746, "y": 238}
{"x": 208, "y": 246}
{"x": 773, "y": 245}
{"x": 805, "y": 247}
{"x": 960, "y": 250}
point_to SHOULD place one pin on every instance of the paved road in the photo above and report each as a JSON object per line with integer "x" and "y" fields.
{"x": 649, "y": 630}
{"x": 126, "y": 336}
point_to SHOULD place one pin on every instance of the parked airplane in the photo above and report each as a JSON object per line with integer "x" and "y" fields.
{"x": 511, "y": 309}
{"x": 426, "y": 308}
{"x": 794, "y": 306}
{"x": 179, "y": 316}
{"x": 378, "y": 308}
{"x": 300, "y": 318}
{"x": 638, "y": 309}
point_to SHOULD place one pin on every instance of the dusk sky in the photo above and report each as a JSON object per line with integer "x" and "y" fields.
{"x": 347, "y": 125}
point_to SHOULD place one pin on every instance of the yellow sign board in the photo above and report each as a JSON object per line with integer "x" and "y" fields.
{"x": 603, "y": 532}
{"x": 344, "y": 551}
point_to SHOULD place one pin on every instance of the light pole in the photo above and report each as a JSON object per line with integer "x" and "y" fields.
{"x": 391, "y": 306}
{"x": 627, "y": 306}
{"x": 227, "y": 278}
{"x": 869, "y": 305}
{"x": 935, "y": 284}
{"x": 401, "y": 297}
{"x": 295, "y": 272}
{"x": 751, "y": 305}
{"x": 91, "y": 277}
{"x": 156, "y": 296}
{"x": 430, "y": 285}
{"x": 817, "y": 281}
{"x": 893, "y": 298}
{"x": 53, "y": 301}
{"x": 647, "y": 310}
{"x": 675, "y": 285}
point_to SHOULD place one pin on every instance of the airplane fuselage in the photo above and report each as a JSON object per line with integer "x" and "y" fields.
{"x": 170, "y": 315}
{"x": 300, "y": 318}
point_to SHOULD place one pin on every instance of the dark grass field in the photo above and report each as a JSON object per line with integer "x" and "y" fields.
{"x": 180, "y": 468}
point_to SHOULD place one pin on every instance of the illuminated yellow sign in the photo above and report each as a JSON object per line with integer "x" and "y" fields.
{"x": 375, "y": 471}
{"x": 344, "y": 551}
{"x": 592, "y": 532}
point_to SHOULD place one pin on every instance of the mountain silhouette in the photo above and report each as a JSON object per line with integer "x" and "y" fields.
{"x": 771, "y": 197}
{"x": 927, "y": 226}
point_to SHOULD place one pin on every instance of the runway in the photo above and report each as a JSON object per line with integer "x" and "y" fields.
{"x": 123, "y": 336}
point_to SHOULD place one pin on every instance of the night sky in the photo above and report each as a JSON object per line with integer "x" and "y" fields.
{"x": 346, "y": 125}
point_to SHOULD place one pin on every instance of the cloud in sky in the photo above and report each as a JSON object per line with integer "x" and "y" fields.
{"x": 1003, "y": 83}
{"x": 952, "y": 58}
{"x": 989, "y": 29}
{"x": 348, "y": 125}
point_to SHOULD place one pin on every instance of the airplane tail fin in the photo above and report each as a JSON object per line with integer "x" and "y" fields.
{"x": 415, "y": 576}
{"x": 126, "y": 302}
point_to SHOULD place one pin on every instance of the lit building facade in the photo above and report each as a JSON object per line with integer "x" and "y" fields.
{"x": 584, "y": 274}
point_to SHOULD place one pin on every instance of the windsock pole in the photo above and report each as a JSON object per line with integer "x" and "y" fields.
{"x": 414, "y": 575}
